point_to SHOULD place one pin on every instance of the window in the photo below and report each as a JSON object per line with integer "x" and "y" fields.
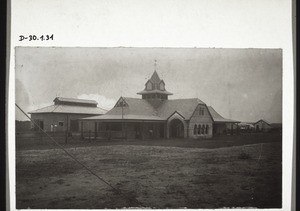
{"x": 206, "y": 129}
{"x": 149, "y": 86}
{"x": 199, "y": 129}
{"x": 201, "y": 111}
{"x": 161, "y": 86}
{"x": 203, "y": 128}
{"x": 61, "y": 124}
{"x": 195, "y": 129}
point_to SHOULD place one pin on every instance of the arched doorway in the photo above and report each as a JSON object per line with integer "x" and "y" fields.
{"x": 176, "y": 129}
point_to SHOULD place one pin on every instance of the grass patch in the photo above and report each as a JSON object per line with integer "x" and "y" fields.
{"x": 244, "y": 156}
{"x": 150, "y": 176}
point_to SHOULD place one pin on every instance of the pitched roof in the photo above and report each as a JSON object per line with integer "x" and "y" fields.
{"x": 69, "y": 109}
{"x": 141, "y": 109}
{"x": 155, "y": 78}
{"x": 135, "y": 107}
{"x": 218, "y": 118}
{"x": 74, "y": 100}
{"x": 263, "y": 121}
{"x": 185, "y": 107}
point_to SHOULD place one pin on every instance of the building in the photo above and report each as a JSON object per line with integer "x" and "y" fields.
{"x": 246, "y": 127}
{"x": 262, "y": 126}
{"x": 156, "y": 116}
{"x": 63, "y": 115}
{"x": 222, "y": 125}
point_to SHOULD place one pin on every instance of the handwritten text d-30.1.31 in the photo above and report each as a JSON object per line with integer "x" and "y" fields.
{"x": 36, "y": 38}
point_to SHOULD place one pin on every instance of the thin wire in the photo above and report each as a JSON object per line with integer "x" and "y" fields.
{"x": 74, "y": 158}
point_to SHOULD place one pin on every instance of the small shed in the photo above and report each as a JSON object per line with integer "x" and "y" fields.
{"x": 262, "y": 126}
{"x": 63, "y": 115}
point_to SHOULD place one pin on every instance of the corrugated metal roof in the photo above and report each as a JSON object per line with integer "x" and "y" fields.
{"x": 135, "y": 107}
{"x": 218, "y": 118}
{"x": 124, "y": 117}
{"x": 141, "y": 109}
{"x": 154, "y": 91}
{"x": 263, "y": 121}
{"x": 74, "y": 100}
{"x": 69, "y": 109}
{"x": 185, "y": 107}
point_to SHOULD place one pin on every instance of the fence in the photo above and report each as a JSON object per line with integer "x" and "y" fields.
{"x": 108, "y": 135}
{"x": 37, "y": 138}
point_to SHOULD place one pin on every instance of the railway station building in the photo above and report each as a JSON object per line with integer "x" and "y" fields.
{"x": 154, "y": 115}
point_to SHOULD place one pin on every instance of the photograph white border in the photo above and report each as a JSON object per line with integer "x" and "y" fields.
{"x": 166, "y": 23}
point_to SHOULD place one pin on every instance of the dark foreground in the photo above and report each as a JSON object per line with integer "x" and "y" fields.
{"x": 233, "y": 172}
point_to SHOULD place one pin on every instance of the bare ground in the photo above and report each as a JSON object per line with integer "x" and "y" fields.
{"x": 151, "y": 176}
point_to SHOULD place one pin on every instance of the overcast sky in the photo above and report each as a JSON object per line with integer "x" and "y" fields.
{"x": 241, "y": 84}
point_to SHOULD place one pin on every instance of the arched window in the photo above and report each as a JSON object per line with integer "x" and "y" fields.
{"x": 199, "y": 129}
{"x": 203, "y": 128}
{"x": 206, "y": 129}
{"x": 162, "y": 86}
{"x": 195, "y": 129}
{"x": 149, "y": 86}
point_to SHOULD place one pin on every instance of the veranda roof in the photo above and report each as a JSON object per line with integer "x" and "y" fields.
{"x": 69, "y": 110}
{"x": 126, "y": 117}
{"x": 218, "y": 118}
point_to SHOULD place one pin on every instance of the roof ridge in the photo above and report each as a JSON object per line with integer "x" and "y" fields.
{"x": 40, "y": 108}
{"x": 155, "y": 77}
{"x": 70, "y": 98}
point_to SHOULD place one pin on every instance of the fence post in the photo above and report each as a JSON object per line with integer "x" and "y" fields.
{"x": 66, "y": 138}
{"x": 81, "y": 130}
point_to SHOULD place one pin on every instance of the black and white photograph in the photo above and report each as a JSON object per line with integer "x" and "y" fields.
{"x": 148, "y": 127}
{"x": 152, "y": 104}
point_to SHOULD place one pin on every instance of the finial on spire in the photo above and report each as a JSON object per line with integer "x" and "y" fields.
{"x": 155, "y": 65}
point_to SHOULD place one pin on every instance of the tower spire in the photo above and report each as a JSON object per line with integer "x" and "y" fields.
{"x": 155, "y": 65}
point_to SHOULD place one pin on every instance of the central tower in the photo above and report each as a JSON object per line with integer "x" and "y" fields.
{"x": 155, "y": 91}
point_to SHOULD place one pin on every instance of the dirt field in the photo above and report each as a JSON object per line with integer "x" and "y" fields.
{"x": 236, "y": 174}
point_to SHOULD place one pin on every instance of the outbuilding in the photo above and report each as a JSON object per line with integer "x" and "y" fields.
{"x": 262, "y": 126}
{"x": 64, "y": 114}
